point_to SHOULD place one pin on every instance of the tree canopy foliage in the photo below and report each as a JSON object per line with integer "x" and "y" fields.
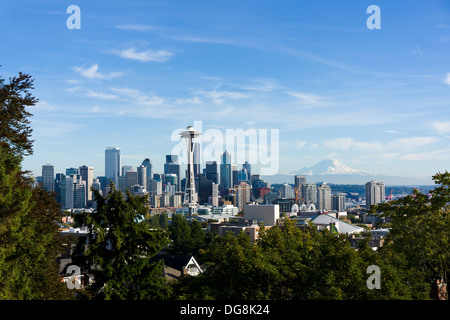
{"x": 119, "y": 247}
{"x": 29, "y": 240}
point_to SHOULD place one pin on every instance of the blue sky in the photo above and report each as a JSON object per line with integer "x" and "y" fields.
{"x": 378, "y": 100}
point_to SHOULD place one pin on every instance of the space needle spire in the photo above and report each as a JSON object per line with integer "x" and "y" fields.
{"x": 190, "y": 199}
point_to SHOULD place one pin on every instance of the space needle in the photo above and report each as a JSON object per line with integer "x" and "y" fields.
{"x": 190, "y": 199}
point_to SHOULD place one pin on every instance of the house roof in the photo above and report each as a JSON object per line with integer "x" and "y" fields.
{"x": 175, "y": 261}
{"x": 344, "y": 227}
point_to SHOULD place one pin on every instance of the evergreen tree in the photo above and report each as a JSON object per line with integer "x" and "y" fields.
{"x": 29, "y": 241}
{"x": 180, "y": 233}
{"x": 119, "y": 247}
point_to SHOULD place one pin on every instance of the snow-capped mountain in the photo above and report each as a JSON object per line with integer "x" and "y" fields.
{"x": 334, "y": 171}
{"x": 331, "y": 166}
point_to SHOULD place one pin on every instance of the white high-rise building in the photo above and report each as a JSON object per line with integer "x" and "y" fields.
{"x": 286, "y": 191}
{"x": 112, "y": 165}
{"x": 338, "y": 202}
{"x": 309, "y": 193}
{"x": 142, "y": 176}
{"x": 375, "y": 193}
{"x": 324, "y": 197}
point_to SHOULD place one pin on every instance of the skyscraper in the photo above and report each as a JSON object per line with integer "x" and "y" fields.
{"x": 225, "y": 171}
{"x": 87, "y": 175}
{"x": 48, "y": 177}
{"x": 338, "y": 202}
{"x": 197, "y": 158}
{"x": 147, "y": 163}
{"x": 172, "y": 166}
{"x": 142, "y": 176}
{"x": 375, "y": 193}
{"x": 286, "y": 191}
{"x": 324, "y": 197}
{"x": 131, "y": 178}
{"x": 309, "y": 192}
{"x": 299, "y": 181}
{"x": 112, "y": 164}
{"x": 211, "y": 171}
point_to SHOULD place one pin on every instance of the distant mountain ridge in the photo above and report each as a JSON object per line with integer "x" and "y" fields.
{"x": 331, "y": 166}
{"x": 335, "y": 171}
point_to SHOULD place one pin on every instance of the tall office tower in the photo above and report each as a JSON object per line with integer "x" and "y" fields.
{"x": 243, "y": 175}
{"x": 190, "y": 195}
{"x": 112, "y": 165}
{"x": 242, "y": 195}
{"x": 131, "y": 178}
{"x": 73, "y": 199}
{"x": 234, "y": 176}
{"x": 155, "y": 187}
{"x": 375, "y": 193}
{"x": 172, "y": 166}
{"x": 58, "y": 185}
{"x": 149, "y": 173}
{"x": 309, "y": 192}
{"x": 62, "y": 196}
{"x": 299, "y": 181}
{"x": 338, "y": 201}
{"x": 68, "y": 194}
{"x": 48, "y": 177}
{"x": 248, "y": 168}
{"x": 197, "y": 158}
{"x": 96, "y": 184}
{"x": 286, "y": 191}
{"x": 225, "y": 171}
{"x": 122, "y": 186}
{"x": 215, "y": 195}
{"x": 211, "y": 171}
{"x": 324, "y": 197}
{"x": 79, "y": 194}
{"x": 87, "y": 175}
{"x": 142, "y": 176}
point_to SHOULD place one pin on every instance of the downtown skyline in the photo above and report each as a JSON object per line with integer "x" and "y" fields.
{"x": 135, "y": 72}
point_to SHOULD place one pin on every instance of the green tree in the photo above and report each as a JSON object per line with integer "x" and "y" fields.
{"x": 180, "y": 233}
{"x": 420, "y": 230}
{"x": 29, "y": 241}
{"x": 197, "y": 239}
{"x": 119, "y": 247}
{"x": 235, "y": 270}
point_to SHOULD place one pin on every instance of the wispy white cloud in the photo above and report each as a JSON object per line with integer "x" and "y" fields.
{"x": 145, "y": 56}
{"x": 306, "y": 97}
{"x": 135, "y": 27}
{"x": 443, "y": 154}
{"x": 219, "y": 97}
{"x": 398, "y": 145}
{"x": 101, "y": 95}
{"x": 139, "y": 97}
{"x": 92, "y": 72}
{"x": 47, "y": 128}
{"x": 441, "y": 127}
{"x": 446, "y": 78}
